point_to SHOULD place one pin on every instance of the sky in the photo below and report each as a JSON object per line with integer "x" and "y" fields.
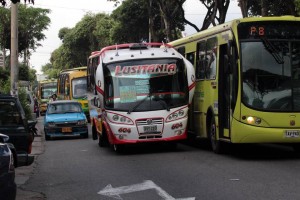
{"x": 66, "y": 13}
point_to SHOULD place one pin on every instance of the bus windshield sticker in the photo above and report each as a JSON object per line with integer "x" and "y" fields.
{"x": 142, "y": 86}
{"x": 127, "y": 94}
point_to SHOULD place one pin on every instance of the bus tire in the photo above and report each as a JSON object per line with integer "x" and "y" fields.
{"x": 94, "y": 133}
{"x": 296, "y": 148}
{"x": 119, "y": 148}
{"x": 102, "y": 139}
{"x": 216, "y": 145}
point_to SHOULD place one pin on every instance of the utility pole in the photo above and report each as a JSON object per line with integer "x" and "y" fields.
{"x": 150, "y": 20}
{"x": 14, "y": 68}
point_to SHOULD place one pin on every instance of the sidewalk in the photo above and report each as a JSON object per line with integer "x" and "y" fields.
{"x": 24, "y": 173}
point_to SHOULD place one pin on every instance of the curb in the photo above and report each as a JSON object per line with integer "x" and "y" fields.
{"x": 24, "y": 173}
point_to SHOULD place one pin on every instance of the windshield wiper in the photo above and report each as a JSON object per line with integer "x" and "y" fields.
{"x": 138, "y": 104}
{"x": 272, "y": 50}
{"x": 164, "y": 104}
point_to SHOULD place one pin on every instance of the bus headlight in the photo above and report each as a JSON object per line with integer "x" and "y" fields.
{"x": 177, "y": 115}
{"x": 119, "y": 119}
{"x": 252, "y": 120}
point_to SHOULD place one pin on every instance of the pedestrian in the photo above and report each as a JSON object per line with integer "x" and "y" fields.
{"x": 36, "y": 108}
{"x": 53, "y": 97}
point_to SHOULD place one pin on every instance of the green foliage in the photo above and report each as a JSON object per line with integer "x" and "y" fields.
{"x": 4, "y": 2}
{"x": 273, "y": 8}
{"x": 4, "y": 74}
{"x": 133, "y": 21}
{"x": 23, "y": 100}
{"x": 62, "y": 32}
{"x": 26, "y": 74}
{"x": 5, "y": 86}
{"x": 32, "y": 23}
{"x": 104, "y": 30}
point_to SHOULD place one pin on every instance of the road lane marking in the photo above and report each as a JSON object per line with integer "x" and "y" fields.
{"x": 146, "y": 185}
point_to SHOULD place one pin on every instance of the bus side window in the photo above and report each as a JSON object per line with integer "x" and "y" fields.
{"x": 191, "y": 57}
{"x": 211, "y": 56}
{"x": 200, "y": 60}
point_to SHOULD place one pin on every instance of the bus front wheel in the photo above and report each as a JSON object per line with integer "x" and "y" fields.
{"x": 216, "y": 144}
{"x": 119, "y": 148}
{"x": 296, "y": 148}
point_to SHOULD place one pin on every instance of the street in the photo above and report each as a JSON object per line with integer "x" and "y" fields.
{"x": 80, "y": 169}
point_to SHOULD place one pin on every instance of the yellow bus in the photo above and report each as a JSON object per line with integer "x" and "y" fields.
{"x": 44, "y": 91}
{"x": 72, "y": 85}
{"x": 247, "y": 81}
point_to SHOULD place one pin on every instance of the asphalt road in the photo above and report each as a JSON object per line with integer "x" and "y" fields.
{"x": 80, "y": 169}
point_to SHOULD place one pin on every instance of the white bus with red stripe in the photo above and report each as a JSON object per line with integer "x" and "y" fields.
{"x": 143, "y": 92}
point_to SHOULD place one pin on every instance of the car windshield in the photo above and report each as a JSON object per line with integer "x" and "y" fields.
{"x": 158, "y": 84}
{"x": 61, "y": 108}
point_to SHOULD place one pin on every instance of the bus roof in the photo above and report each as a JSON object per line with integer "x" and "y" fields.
{"x": 133, "y": 51}
{"x": 48, "y": 81}
{"x": 84, "y": 68}
{"x": 228, "y": 26}
{"x": 128, "y": 46}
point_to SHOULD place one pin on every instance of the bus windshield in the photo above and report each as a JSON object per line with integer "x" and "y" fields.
{"x": 79, "y": 87}
{"x": 47, "y": 89}
{"x": 145, "y": 85}
{"x": 271, "y": 69}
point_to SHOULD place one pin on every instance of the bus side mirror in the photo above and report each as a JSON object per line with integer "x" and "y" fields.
{"x": 97, "y": 102}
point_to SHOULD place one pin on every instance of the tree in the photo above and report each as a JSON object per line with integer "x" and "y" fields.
{"x": 269, "y": 8}
{"x": 216, "y": 12}
{"x": 32, "y": 23}
{"x": 132, "y": 22}
{"x": 3, "y": 2}
{"x": 173, "y": 17}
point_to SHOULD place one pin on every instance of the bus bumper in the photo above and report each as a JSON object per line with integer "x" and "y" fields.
{"x": 245, "y": 133}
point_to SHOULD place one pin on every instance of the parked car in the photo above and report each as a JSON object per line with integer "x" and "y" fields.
{"x": 8, "y": 186}
{"x": 14, "y": 124}
{"x": 65, "y": 118}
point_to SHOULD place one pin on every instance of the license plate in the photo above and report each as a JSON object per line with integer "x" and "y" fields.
{"x": 150, "y": 129}
{"x": 292, "y": 133}
{"x": 66, "y": 129}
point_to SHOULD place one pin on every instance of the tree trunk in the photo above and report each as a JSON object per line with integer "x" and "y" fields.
{"x": 264, "y": 8}
{"x": 244, "y": 7}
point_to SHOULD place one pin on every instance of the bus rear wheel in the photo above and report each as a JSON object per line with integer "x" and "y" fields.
{"x": 216, "y": 145}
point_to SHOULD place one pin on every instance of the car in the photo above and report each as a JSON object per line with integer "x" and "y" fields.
{"x": 8, "y": 187}
{"x": 65, "y": 118}
{"x": 14, "y": 124}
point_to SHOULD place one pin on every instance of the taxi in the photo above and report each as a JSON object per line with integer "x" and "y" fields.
{"x": 65, "y": 118}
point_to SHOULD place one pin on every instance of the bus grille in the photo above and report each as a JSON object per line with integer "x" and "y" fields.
{"x": 144, "y": 122}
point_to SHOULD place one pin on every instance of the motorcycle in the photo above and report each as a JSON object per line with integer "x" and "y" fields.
{"x": 33, "y": 130}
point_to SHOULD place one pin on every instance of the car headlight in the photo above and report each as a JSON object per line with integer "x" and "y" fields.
{"x": 81, "y": 122}
{"x": 51, "y": 124}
